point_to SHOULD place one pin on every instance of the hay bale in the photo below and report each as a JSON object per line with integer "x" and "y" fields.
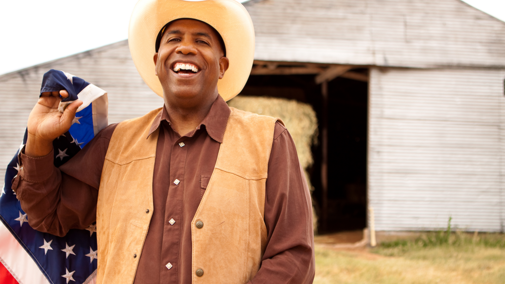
{"x": 299, "y": 118}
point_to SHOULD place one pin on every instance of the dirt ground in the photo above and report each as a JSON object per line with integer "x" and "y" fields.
{"x": 340, "y": 238}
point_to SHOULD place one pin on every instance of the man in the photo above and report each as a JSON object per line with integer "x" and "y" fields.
{"x": 194, "y": 192}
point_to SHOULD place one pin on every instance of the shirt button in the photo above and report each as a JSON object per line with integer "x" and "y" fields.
{"x": 182, "y": 144}
{"x": 134, "y": 255}
{"x": 176, "y": 182}
{"x": 172, "y": 221}
{"x": 199, "y": 224}
{"x": 147, "y": 211}
{"x": 199, "y": 272}
{"x": 169, "y": 266}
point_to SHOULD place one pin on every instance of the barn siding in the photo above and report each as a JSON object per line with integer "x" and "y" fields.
{"x": 402, "y": 33}
{"x": 436, "y": 136}
{"x": 110, "y": 68}
{"x": 436, "y": 149}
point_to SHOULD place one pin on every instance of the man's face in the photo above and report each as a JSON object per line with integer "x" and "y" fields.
{"x": 189, "y": 61}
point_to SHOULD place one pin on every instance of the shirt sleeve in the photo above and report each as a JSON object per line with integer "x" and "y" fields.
{"x": 289, "y": 252}
{"x": 59, "y": 199}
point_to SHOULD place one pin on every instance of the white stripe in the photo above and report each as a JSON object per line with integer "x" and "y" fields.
{"x": 18, "y": 261}
{"x": 100, "y": 109}
{"x": 91, "y": 279}
{"x": 88, "y": 95}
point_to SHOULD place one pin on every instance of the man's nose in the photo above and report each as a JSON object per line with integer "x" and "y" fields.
{"x": 186, "y": 47}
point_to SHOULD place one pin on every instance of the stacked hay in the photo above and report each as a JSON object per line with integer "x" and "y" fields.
{"x": 299, "y": 118}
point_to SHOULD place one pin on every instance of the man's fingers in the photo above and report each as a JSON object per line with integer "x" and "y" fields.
{"x": 69, "y": 113}
{"x": 62, "y": 93}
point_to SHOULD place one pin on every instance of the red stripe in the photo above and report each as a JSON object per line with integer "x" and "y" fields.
{"x": 5, "y": 276}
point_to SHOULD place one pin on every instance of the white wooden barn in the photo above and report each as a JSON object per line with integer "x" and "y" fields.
{"x": 409, "y": 95}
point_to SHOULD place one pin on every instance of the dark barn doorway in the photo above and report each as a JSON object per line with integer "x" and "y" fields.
{"x": 342, "y": 206}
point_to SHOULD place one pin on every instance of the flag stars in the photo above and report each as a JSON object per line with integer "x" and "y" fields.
{"x": 76, "y": 142}
{"x": 76, "y": 120}
{"x": 91, "y": 229}
{"x": 62, "y": 154}
{"x": 68, "y": 275}
{"x": 69, "y": 76}
{"x": 46, "y": 246}
{"x": 68, "y": 250}
{"x": 92, "y": 255}
{"x": 17, "y": 167}
{"x": 22, "y": 219}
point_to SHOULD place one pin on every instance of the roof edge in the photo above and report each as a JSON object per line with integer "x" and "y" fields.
{"x": 23, "y": 71}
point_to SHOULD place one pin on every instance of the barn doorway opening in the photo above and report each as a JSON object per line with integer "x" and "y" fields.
{"x": 343, "y": 207}
{"x": 341, "y": 203}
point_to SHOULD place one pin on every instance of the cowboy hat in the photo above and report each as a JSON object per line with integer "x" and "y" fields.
{"x": 228, "y": 17}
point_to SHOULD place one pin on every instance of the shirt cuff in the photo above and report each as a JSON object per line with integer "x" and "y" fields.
{"x": 36, "y": 169}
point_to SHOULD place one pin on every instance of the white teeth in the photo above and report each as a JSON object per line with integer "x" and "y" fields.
{"x": 188, "y": 67}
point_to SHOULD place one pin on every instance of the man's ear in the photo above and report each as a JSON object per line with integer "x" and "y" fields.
{"x": 155, "y": 59}
{"x": 224, "y": 63}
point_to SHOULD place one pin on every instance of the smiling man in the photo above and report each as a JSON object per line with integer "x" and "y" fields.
{"x": 194, "y": 192}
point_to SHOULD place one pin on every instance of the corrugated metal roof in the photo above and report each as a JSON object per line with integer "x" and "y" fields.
{"x": 436, "y": 149}
{"x": 402, "y": 33}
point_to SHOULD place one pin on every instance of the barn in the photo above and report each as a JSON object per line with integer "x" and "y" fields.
{"x": 409, "y": 97}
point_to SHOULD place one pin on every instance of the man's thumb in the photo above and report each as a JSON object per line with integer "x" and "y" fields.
{"x": 69, "y": 113}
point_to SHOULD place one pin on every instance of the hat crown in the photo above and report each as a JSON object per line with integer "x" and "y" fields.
{"x": 228, "y": 17}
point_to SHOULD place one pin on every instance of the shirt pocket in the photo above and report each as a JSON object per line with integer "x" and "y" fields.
{"x": 204, "y": 181}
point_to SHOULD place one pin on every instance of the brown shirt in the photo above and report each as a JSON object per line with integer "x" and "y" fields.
{"x": 57, "y": 200}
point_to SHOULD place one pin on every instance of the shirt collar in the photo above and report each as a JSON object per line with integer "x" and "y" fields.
{"x": 215, "y": 121}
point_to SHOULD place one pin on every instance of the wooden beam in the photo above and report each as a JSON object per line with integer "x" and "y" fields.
{"x": 259, "y": 70}
{"x": 324, "y": 158}
{"x": 272, "y": 66}
{"x": 355, "y": 76}
{"x": 332, "y": 73}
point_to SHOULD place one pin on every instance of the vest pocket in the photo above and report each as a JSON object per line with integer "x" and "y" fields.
{"x": 124, "y": 253}
{"x": 221, "y": 246}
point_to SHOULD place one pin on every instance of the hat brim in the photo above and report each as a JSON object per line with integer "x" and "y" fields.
{"x": 228, "y": 17}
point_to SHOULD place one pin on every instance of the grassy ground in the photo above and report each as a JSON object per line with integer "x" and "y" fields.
{"x": 432, "y": 258}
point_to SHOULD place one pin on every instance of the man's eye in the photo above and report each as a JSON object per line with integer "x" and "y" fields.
{"x": 173, "y": 39}
{"x": 202, "y": 41}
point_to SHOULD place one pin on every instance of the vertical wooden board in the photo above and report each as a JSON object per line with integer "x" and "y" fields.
{"x": 435, "y": 148}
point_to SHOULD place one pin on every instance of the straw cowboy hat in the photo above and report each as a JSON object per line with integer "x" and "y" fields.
{"x": 228, "y": 17}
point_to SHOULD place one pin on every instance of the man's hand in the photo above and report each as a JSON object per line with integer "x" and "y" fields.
{"x": 46, "y": 123}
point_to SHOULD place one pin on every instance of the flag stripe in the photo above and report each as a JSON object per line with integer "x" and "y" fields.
{"x": 31, "y": 257}
{"x": 16, "y": 260}
{"x": 6, "y": 277}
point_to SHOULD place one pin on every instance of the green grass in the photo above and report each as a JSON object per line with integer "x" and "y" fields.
{"x": 457, "y": 240}
{"x": 441, "y": 264}
{"x": 443, "y": 239}
{"x": 435, "y": 257}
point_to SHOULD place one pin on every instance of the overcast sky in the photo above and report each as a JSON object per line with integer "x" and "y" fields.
{"x": 28, "y": 39}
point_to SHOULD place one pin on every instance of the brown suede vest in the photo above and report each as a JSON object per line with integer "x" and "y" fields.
{"x": 229, "y": 246}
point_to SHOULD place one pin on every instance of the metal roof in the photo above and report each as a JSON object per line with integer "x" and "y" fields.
{"x": 400, "y": 33}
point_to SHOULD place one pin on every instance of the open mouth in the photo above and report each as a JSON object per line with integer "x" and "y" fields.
{"x": 185, "y": 68}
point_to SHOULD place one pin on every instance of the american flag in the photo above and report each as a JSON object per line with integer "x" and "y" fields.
{"x": 31, "y": 257}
